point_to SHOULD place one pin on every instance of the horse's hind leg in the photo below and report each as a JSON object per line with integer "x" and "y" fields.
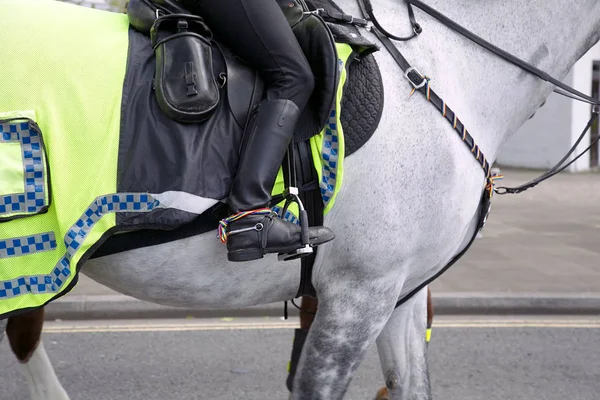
{"x": 402, "y": 347}
{"x": 24, "y": 333}
{"x": 24, "y": 336}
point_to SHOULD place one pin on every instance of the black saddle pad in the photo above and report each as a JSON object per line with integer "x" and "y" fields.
{"x": 362, "y": 103}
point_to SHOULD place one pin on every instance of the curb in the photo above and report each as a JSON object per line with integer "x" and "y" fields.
{"x": 507, "y": 303}
{"x": 124, "y": 307}
{"x": 471, "y": 303}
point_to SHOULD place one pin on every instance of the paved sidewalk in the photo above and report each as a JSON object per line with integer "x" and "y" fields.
{"x": 546, "y": 239}
{"x": 539, "y": 252}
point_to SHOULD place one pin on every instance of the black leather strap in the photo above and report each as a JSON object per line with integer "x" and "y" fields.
{"x": 334, "y": 16}
{"x": 367, "y": 9}
{"x": 558, "y": 167}
{"x": 501, "y": 53}
{"x": 313, "y": 202}
{"x": 421, "y": 83}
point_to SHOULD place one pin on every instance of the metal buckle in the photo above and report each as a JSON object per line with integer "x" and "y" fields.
{"x": 417, "y": 29}
{"x": 415, "y": 85}
{"x": 317, "y": 12}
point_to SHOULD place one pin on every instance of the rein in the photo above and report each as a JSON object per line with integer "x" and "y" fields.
{"x": 421, "y": 83}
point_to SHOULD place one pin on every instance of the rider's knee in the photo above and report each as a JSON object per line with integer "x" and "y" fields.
{"x": 302, "y": 83}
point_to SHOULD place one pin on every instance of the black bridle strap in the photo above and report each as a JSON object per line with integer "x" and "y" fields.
{"x": 501, "y": 53}
{"x": 565, "y": 90}
{"x": 419, "y": 83}
{"x": 367, "y": 9}
{"x": 558, "y": 167}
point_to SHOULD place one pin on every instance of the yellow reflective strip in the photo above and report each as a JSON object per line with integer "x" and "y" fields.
{"x": 428, "y": 335}
{"x": 12, "y": 175}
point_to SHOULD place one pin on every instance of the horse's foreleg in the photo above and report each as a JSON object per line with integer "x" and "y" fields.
{"x": 402, "y": 347}
{"x": 347, "y": 323}
{"x": 24, "y": 336}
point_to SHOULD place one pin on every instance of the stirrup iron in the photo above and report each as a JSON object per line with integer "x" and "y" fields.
{"x": 291, "y": 195}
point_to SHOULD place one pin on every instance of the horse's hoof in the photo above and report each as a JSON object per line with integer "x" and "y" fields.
{"x": 382, "y": 394}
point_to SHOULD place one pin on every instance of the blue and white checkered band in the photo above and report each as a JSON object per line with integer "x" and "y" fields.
{"x": 288, "y": 216}
{"x": 330, "y": 158}
{"x": 51, "y": 283}
{"x": 33, "y": 200}
{"x": 24, "y": 245}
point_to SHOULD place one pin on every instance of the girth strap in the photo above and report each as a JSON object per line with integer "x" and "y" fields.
{"x": 310, "y": 195}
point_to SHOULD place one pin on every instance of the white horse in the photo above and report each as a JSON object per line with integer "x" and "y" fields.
{"x": 409, "y": 201}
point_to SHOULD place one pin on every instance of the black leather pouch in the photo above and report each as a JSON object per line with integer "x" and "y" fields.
{"x": 186, "y": 89}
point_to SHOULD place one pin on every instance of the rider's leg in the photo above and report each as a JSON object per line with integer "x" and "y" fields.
{"x": 257, "y": 31}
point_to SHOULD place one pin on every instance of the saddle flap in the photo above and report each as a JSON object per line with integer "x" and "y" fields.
{"x": 244, "y": 87}
{"x": 318, "y": 46}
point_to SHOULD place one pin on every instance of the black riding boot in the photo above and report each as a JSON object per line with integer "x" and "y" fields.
{"x": 254, "y": 230}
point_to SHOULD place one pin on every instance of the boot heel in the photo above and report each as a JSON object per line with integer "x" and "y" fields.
{"x": 245, "y": 255}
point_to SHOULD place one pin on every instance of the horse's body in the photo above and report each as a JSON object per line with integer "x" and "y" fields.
{"x": 409, "y": 201}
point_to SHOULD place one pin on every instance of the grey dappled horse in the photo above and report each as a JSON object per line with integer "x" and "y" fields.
{"x": 409, "y": 201}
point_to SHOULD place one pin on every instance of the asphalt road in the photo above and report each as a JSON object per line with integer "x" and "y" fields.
{"x": 504, "y": 359}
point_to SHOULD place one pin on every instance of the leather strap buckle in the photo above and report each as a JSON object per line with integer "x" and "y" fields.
{"x": 416, "y": 85}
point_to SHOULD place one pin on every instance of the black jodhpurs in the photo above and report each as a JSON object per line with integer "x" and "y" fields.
{"x": 257, "y": 31}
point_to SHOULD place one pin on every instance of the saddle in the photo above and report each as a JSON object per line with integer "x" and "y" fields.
{"x": 188, "y": 90}
{"x": 186, "y": 85}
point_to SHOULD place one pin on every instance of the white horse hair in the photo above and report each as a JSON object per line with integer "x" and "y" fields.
{"x": 409, "y": 201}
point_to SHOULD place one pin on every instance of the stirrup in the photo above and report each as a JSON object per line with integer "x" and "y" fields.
{"x": 291, "y": 196}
